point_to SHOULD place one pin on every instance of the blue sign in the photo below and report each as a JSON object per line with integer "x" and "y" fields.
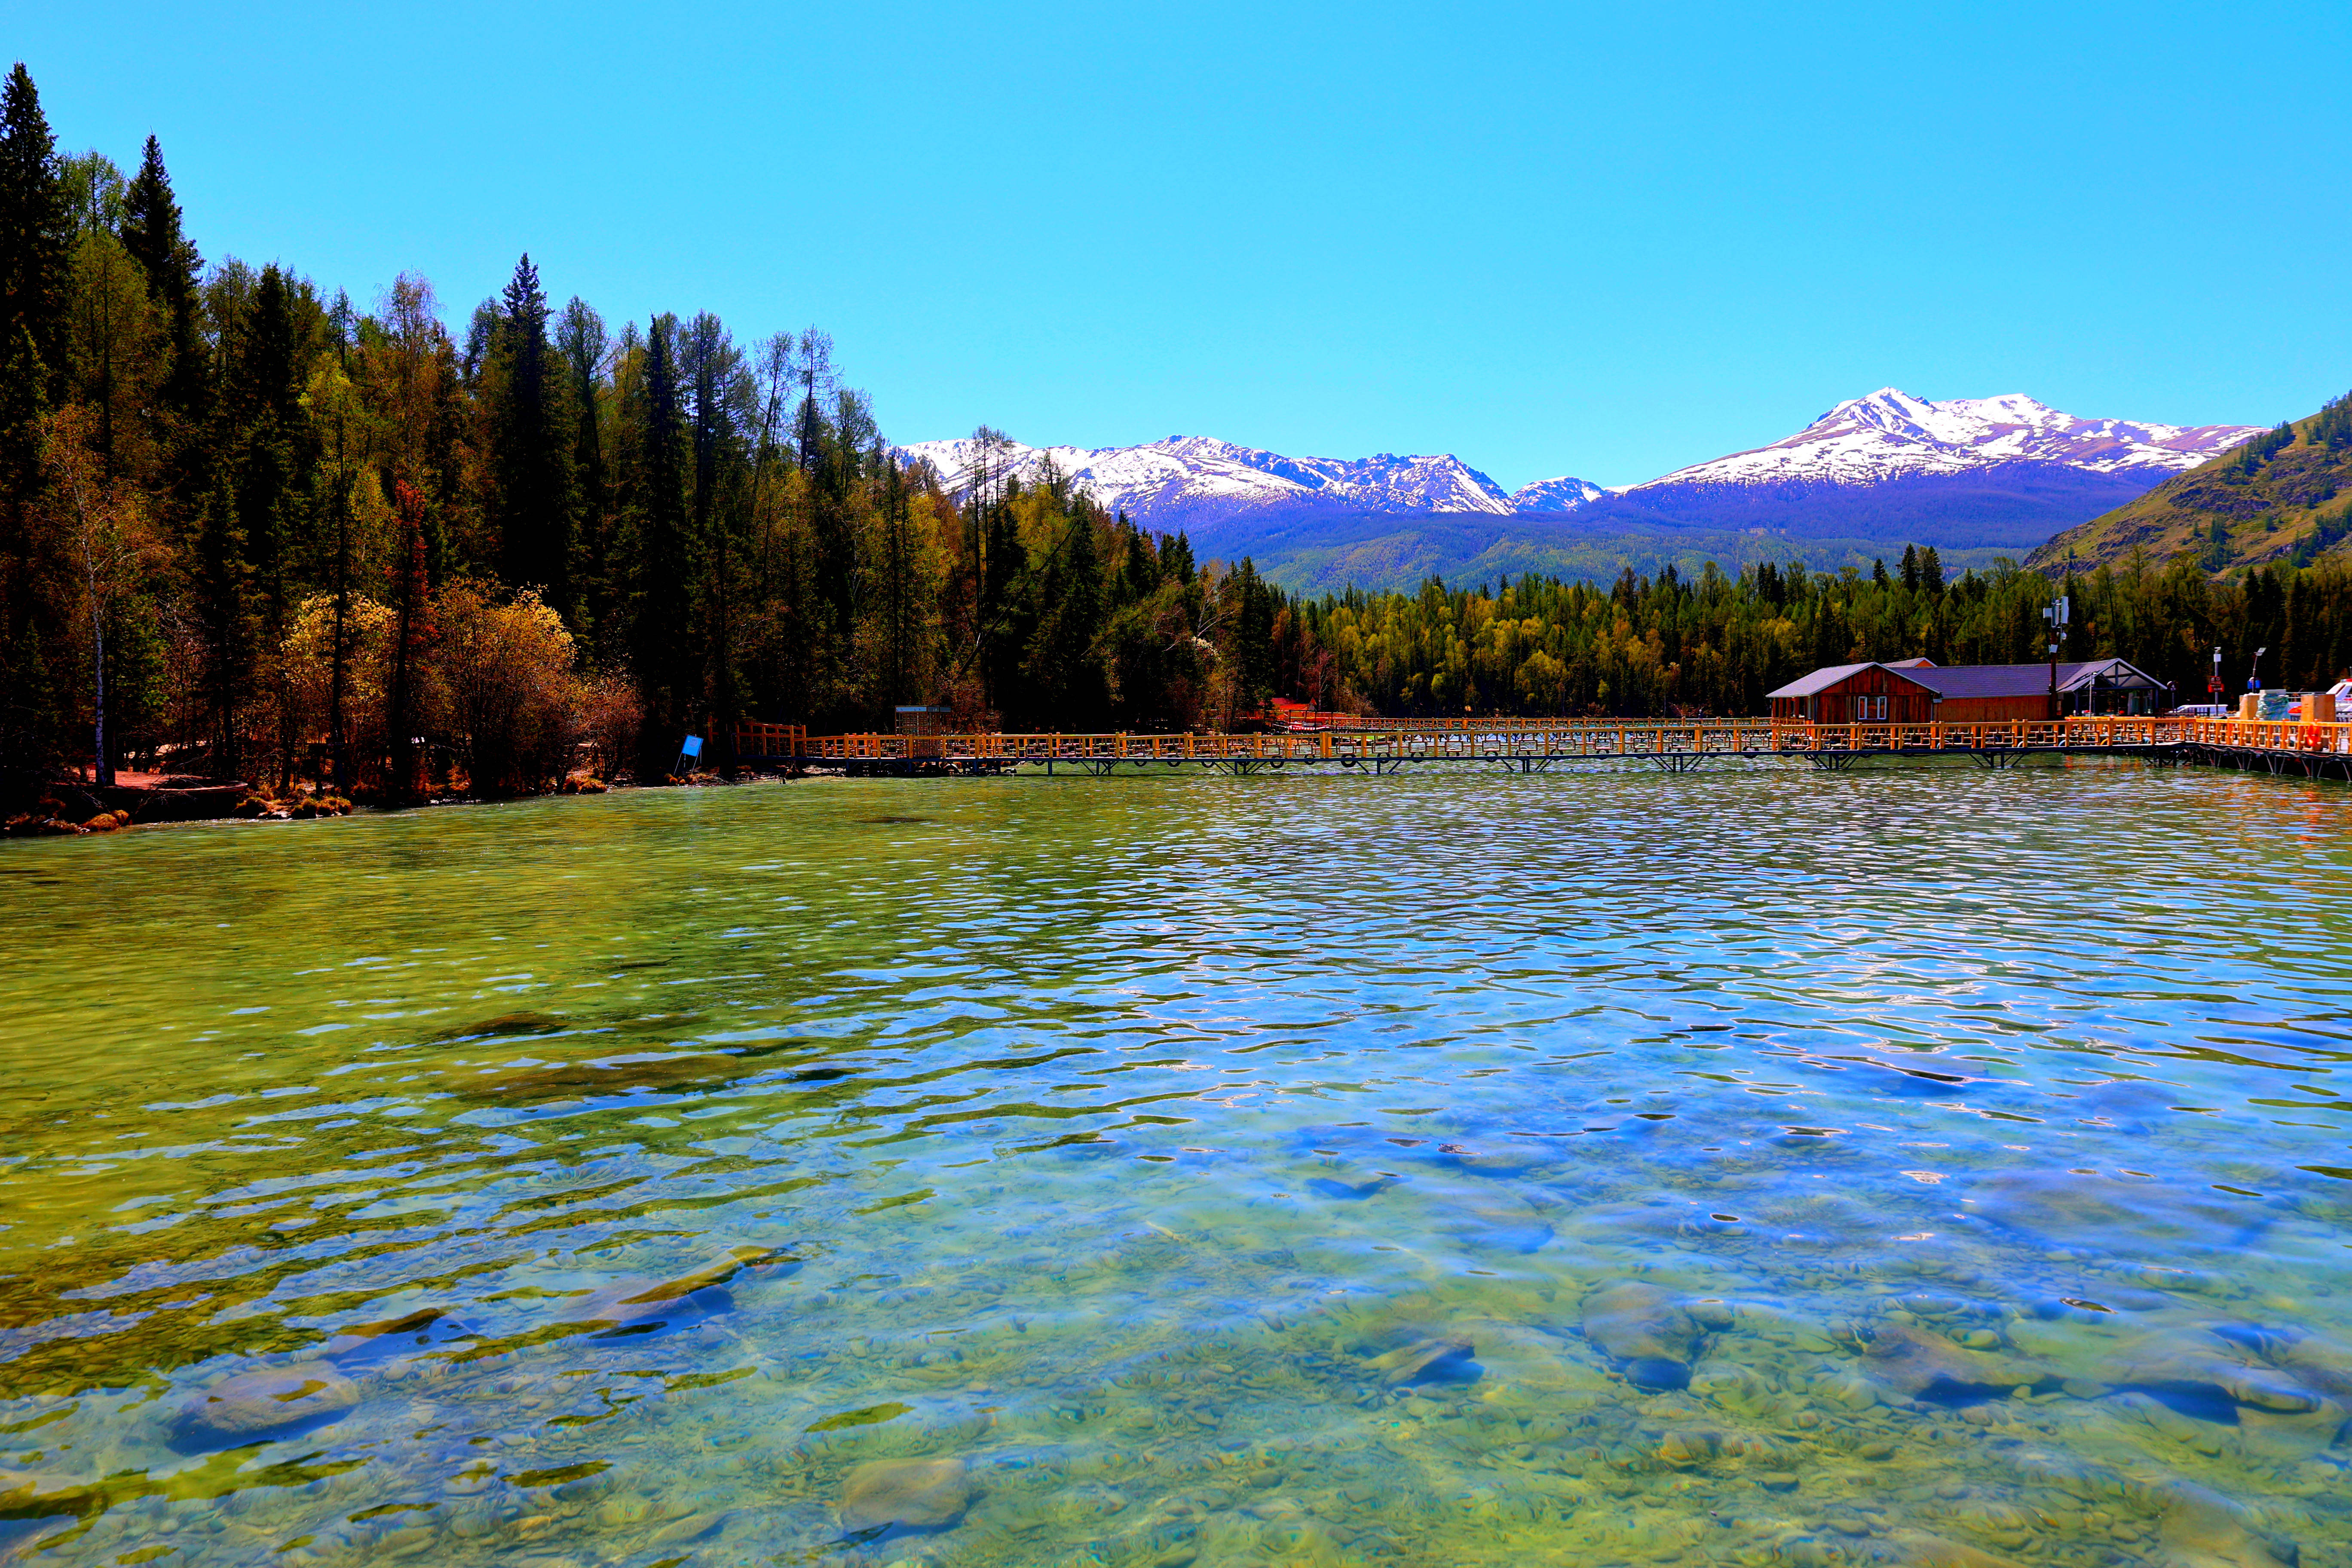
{"x": 693, "y": 747}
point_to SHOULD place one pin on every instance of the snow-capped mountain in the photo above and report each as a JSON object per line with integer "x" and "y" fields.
{"x": 1169, "y": 483}
{"x": 1891, "y": 435}
{"x": 1565, "y": 493}
{"x": 1989, "y": 474}
{"x": 1888, "y": 439}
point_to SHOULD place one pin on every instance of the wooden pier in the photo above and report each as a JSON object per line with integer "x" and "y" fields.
{"x": 1540, "y": 745}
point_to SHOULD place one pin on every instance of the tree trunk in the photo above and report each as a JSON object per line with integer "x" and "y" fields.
{"x": 336, "y": 744}
{"x": 103, "y": 774}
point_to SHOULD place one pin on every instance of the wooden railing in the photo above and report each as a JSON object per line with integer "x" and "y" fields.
{"x": 753, "y": 739}
{"x": 2268, "y": 735}
{"x": 1523, "y": 738}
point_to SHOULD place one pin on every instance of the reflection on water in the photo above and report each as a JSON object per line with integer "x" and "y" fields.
{"x": 1752, "y": 1167}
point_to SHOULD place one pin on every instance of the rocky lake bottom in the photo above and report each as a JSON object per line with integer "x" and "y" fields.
{"x": 1913, "y": 1166}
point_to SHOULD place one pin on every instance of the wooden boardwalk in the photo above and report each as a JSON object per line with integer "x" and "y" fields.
{"x": 1539, "y": 745}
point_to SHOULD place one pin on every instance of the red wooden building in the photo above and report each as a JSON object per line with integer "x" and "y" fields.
{"x": 1917, "y": 692}
{"x": 1855, "y": 694}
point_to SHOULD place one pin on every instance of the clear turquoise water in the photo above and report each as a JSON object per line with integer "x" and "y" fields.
{"x": 1978, "y": 1141}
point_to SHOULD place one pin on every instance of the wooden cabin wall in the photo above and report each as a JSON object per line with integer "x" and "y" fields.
{"x": 1994, "y": 709}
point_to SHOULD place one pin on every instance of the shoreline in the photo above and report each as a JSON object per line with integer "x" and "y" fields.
{"x": 72, "y": 809}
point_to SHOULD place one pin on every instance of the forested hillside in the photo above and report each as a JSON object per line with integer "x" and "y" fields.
{"x": 249, "y": 528}
{"x": 1714, "y": 644}
{"x": 2282, "y": 497}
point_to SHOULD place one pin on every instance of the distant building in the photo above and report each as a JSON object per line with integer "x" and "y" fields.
{"x": 1916, "y": 691}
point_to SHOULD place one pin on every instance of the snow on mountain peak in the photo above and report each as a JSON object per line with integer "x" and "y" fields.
{"x": 1565, "y": 493}
{"x": 1886, "y": 435}
{"x": 1893, "y": 434}
{"x": 1184, "y": 474}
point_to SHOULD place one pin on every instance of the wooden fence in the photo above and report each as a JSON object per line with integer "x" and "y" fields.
{"x": 1442, "y": 740}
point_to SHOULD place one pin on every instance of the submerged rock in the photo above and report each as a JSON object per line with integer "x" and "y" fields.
{"x": 2191, "y": 1360}
{"x": 1428, "y": 1361}
{"x": 904, "y": 1494}
{"x": 372, "y": 1344}
{"x": 1736, "y": 1388}
{"x": 648, "y": 1306}
{"x": 2109, "y": 1214}
{"x": 1350, "y": 1191}
{"x": 1645, "y": 1331}
{"x": 1919, "y": 1548}
{"x": 2278, "y": 1387}
{"x": 258, "y": 1405}
{"x": 1518, "y": 1355}
{"x": 1925, "y": 1364}
{"x": 1520, "y": 1230}
{"x": 2313, "y": 1362}
{"x": 2203, "y": 1529}
{"x": 1507, "y": 1163}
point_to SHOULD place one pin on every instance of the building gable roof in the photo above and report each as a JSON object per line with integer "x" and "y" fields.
{"x": 1830, "y": 675}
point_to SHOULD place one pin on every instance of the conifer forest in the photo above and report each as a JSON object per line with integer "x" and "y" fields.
{"x": 254, "y": 527}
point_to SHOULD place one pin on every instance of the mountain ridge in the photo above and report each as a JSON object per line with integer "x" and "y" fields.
{"x": 1999, "y": 474}
{"x": 2286, "y": 495}
{"x": 1184, "y": 474}
{"x": 1890, "y": 434}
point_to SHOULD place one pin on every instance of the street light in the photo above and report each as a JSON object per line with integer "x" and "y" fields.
{"x": 2055, "y": 614}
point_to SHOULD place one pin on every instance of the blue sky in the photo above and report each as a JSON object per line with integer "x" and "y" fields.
{"x": 1603, "y": 240}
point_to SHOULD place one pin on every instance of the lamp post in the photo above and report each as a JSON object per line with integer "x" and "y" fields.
{"x": 2213, "y": 687}
{"x": 2055, "y": 614}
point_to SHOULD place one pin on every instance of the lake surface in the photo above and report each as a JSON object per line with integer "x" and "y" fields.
{"x": 1919, "y": 1165}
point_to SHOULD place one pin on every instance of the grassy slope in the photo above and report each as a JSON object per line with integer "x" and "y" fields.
{"x": 1394, "y": 552}
{"x": 2299, "y": 501}
{"x": 1971, "y": 518}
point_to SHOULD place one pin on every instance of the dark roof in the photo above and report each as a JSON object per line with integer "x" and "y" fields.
{"x": 1964, "y": 680}
{"x": 1987, "y": 680}
{"x": 1824, "y": 679}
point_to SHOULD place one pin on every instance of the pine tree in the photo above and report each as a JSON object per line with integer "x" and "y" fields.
{"x": 2332, "y": 428}
{"x": 1063, "y": 673}
{"x": 581, "y": 343}
{"x": 264, "y": 436}
{"x": 1006, "y": 615}
{"x": 898, "y": 645}
{"x": 151, "y": 234}
{"x": 535, "y": 514}
{"x": 1176, "y": 558}
{"x": 225, "y": 617}
{"x": 35, "y": 230}
{"x": 1931, "y": 571}
{"x": 662, "y": 640}
{"x": 36, "y": 238}
{"x": 710, "y": 367}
